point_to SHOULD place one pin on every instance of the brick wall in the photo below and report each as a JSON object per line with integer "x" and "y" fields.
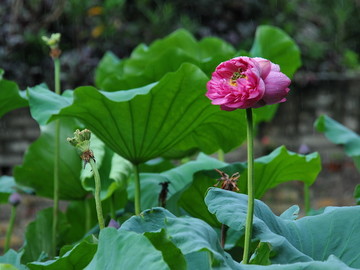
{"x": 17, "y": 131}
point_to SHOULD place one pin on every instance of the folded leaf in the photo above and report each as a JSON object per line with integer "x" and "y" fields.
{"x": 76, "y": 259}
{"x": 145, "y": 123}
{"x": 196, "y": 239}
{"x": 37, "y": 170}
{"x": 275, "y": 45}
{"x": 126, "y": 250}
{"x": 312, "y": 238}
{"x": 11, "y": 260}
{"x": 39, "y": 235}
{"x": 278, "y": 167}
{"x": 179, "y": 178}
{"x": 340, "y": 134}
{"x": 11, "y": 97}
{"x": 44, "y": 103}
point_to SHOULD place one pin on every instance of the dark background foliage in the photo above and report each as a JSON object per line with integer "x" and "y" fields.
{"x": 325, "y": 30}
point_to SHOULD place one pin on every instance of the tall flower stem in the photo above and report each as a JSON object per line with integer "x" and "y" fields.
{"x": 307, "y": 198}
{"x": 137, "y": 190}
{"x": 10, "y": 228}
{"x": 250, "y": 185}
{"x": 97, "y": 194}
{"x": 221, "y": 155}
{"x": 56, "y": 161}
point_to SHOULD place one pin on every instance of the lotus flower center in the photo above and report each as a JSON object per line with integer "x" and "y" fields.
{"x": 235, "y": 76}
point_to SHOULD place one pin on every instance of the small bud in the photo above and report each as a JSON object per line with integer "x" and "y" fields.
{"x": 15, "y": 199}
{"x": 113, "y": 224}
{"x": 304, "y": 149}
{"x": 53, "y": 41}
{"x": 81, "y": 141}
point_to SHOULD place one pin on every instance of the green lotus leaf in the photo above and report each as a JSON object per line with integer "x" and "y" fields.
{"x": 312, "y": 238}
{"x": 278, "y": 167}
{"x": 7, "y": 187}
{"x": 179, "y": 178}
{"x": 6, "y": 266}
{"x": 275, "y": 45}
{"x": 39, "y": 235}
{"x": 113, "y": 170}
{"x": 37, "y": 170}
{"x": 44, "y": 103}
{"x": 11, "y": 260}
{"x": 110, "y": 63}
{"x": 147, "y": 122}
{"x": 77, "y": 258}
{"x": 332, "y": 263}
{"x": 126, "y": 250}
{"x": 82, "y": 217}
{"x": 11, "y": 97}
{"x": 339, "y": 134}
{"x": 148, "y": 64}
{"x": 196, "y": 240}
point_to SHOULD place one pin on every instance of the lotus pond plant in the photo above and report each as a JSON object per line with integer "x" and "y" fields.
{"x": 154, "y": 195}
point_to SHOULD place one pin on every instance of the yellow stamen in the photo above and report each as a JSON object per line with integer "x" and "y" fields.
{"x": 235, "y": 76}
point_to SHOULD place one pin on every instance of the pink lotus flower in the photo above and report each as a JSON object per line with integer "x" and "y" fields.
{"x": 245, "y": 82}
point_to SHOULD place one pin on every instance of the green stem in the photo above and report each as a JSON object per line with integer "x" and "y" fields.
{"x": 10, "y": 229}
{"x": 97, "y": 194}
{"x": 307, "y": 198}
{"x": 57, "y": 75}
{"x": 221, "y": 155}
{"x": 137, "y": 190}
{"x": 56, "y": 162}
{"x": 250, "y": 186}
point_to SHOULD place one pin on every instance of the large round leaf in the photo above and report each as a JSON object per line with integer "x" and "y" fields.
{"x": 145, "y": 123}
{"x": 312, "y": 238}
{"x": 339, "y": 134}
{"x": 11, "y": 97}
{"x": 179, "y": 178}
{"x": 76, "y": 259}
{"x": 274, "y": 44}
{"x": 281, "y": 166}
{"x": 126, "y": 250}
{"x": 332, "y": 263}
{"x": 148, "y": 64}
{"x": 39, "y": 235}
{"x": 11, "y": 260}
{"x": 196, "y": 239}
{"x": 44, "y": 103}
{"x": 7, "y": 187}
{"x": 278, "y": 167}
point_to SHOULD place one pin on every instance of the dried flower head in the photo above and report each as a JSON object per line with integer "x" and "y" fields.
{"x": 228, "y": 183}
{"x": 163, "y": 193}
